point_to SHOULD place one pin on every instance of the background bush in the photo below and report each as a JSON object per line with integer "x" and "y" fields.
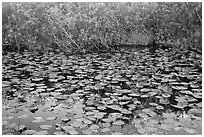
{"x": 81, "y": 27}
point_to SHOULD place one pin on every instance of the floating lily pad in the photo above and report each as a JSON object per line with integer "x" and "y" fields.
{"x": 50, "y": 89}
{"x": 89, "y": 108}
{"x": 23, "y": 116}
{"x": 116, "y": 133}
{"x": 12, "y": 125}
{"x": 61, "y": 97}
{"x": 73, "y": 132}
{"x": 190, "y": 130}
{"x": 166, "y": 95}
{"x": 38, "y": 120}
{"x": 45, "y": 126}
{"x": 29, "y": 132}
{"x": 55, "y": 93}
{"x": 101, "y": 107}
{"x": 126, "y": 91}
{"x": 4, "y": 123}
{"x": 67, "y": 128}
{"x": 51, "y": 118}
{"x": 134, "y": 95}
{"x": 93, "y": 127}
{"x": 145, "y": 96}
{"x": 186, "y": 92}
{"x": 124, "y": 98}
{"x": 114, "y": 107}
{"x": 98, "y": 86}
{"x": 197, "y": 95}
{"x": 39, "y": 90}
{"x": 160, "y": 107}
{"x": 119, "y": 123}
{"x": 105, "y": 130}
{"x": 37, "y": 79}
{"x": 42, "y": 87}
{"x": 144, "y": 90}
{"x": 125, "y": 111}
{"x": 115, "y": 115}
{"x": 87, "y": 121}
{"x": 116, "y": 94}
{"x": 178, "y": 106}
{"x": 179, "y": 87}
{"x": 65, "y": 119}
{"x": 59, "y": 133}
{"x": 41, "y": 133}
{"x": 76, "y": 124}
{"x": 87, "y": 132}
{"x": 195, "y": 112}
{"x": 100, "y": 115}
{"x": 106, "y": 125}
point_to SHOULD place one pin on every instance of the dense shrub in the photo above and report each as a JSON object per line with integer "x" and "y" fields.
{"x": 81, "y": 27}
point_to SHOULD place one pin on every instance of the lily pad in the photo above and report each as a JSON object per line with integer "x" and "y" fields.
{"x": 116, "y": 133}
{"x": 86, "y": 121}
{"x": 144, "y": 90}
{"x": 76, "y": 124}
{"x": 45, "y": 126}
{"x": 98, "y": 86}
{"x": 105, "y": 130}
{"x": 160, "y": 107}
{"x": 144, "y": 95}
{"x": 100, "y": 115}
{"x": 67, "y": 128}
{"x": 190, "y": 130}
{"x": 51, "y": 118}
{"x": 125, "y": 111}
{"x": 73, "y": 132}
{"x": 89, "y": 108}
{"x": 4, "y": 123}
{"x": 186, "y": 92}
{"x": 195, "y": 112}
{"x": 134, "y": 95}
{"x": 65, "y": 119}
{"x": 61, "y": 97}
{"x": 12, "y": 125}
{"x": 37, "y": 79}
{"x": 101, "y": 107}
{"x": 114, "y": 107}
{"x": 93, "y": 127}
{"x": 153, "y": 104}
{"x": 87, "y": 132}
{"x": 106, "y": 125}
{"x": 118, "y": 123}
{"x": 59, "y": 133}
{"x": 41, "y": 133}
{"x": 38, "y": 120}
{"x": 23, "y": 116}
{"x": 29, "y": 132}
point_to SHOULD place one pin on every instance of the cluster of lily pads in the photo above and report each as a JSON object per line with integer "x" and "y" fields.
{"x": 109, "y": 93}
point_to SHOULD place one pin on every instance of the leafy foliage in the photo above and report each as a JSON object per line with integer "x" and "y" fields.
{"x": 81, "y": 27}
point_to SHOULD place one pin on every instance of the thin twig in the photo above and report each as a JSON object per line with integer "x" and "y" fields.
{"x": 198, "y": 16}
{"x": 70, "y": 38}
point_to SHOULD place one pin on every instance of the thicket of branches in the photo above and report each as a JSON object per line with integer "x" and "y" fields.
{"x": 73, "y": 27}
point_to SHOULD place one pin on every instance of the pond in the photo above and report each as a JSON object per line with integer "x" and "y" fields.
{"x": 102, "y": 94}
